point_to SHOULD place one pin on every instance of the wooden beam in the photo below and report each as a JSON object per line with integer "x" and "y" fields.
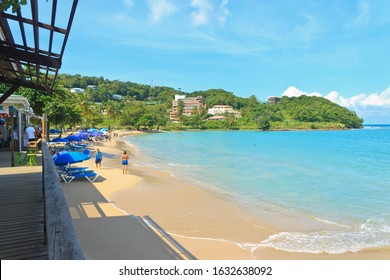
{"x": 53, "y": 22}
{"x": 10, "y": 91}
{"x": 29, "y": 21}
{"x": 35, "y": 58}
{"x": 72, "y": 12}
{"x": 24, "y": 84}
{"x": 34, "y": 14}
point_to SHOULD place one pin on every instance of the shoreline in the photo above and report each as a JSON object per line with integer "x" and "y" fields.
{"x": 204, "y": 222}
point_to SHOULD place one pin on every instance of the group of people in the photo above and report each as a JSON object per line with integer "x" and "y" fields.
{"x": 99, "y": 158}
{"x": 33, "y": 133}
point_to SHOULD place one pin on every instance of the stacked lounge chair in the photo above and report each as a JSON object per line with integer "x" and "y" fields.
{"x": 68, "y": 174}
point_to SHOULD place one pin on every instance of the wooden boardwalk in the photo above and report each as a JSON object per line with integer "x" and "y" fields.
{"x": 22, "y": 221}
{"x": 21, "y": 212}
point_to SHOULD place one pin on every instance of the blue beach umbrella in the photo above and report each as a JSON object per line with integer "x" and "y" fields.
{"x": 73, "y": 138}
{"x": 64, "y": 158}
{"x": 96, "y": 133}
{"x": 82, "y": 135}
{"x": 60, "y": 140}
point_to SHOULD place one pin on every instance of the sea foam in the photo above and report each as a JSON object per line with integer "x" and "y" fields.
{"x": 374, "y": 233}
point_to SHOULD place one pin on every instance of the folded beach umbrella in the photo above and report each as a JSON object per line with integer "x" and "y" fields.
{"x": 73, "y": 138}
{"x": 64, "y": 158}
{"x": 60, "y": 140}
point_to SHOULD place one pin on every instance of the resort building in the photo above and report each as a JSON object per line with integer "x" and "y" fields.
{"x": 92, "y": 87}
{"x": 273, "y": 99}
{"x": 77, "y": 90}
{"x": 223, "y": 109}
{"x": 190, "y": 103}
{"x": 12, "y": 104}
{"x": 216, "y": 118}
{"x": 117, "y": 96}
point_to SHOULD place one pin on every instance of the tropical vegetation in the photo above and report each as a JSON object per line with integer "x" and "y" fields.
{"x": 116, "y": 104}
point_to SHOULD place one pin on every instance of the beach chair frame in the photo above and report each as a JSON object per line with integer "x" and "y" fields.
{"x": 90, "y": 176}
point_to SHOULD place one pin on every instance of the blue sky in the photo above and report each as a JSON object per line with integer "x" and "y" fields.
{"x": 338, "y": 49}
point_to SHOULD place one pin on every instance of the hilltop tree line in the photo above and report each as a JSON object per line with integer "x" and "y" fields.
{"x": 147, "y": 107}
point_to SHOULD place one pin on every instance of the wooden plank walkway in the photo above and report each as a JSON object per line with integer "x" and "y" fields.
{"x": 21, "y": 213}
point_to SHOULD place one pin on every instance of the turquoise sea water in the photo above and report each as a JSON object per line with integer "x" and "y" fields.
{"x": 339, "y": 180}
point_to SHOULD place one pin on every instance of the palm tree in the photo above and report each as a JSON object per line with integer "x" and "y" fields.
{"x": 86, "y": 109}
{"x": 112, "y": 110}
{"x": 230, "y": 120}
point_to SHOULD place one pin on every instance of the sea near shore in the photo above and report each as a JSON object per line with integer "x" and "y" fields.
{"x": 315, "y": 192}
{"x": 258, "y": 195}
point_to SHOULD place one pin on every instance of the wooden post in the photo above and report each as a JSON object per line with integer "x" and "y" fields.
{"x": 20, "y": 131}
{"x": 8, "y": 93}
{"x": 44, "y": 130}
{"x": 12, "y": 140}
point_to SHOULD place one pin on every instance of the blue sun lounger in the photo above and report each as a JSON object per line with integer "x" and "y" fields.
{"x": 90, "y": 175}
{"x": 71, "y": 169}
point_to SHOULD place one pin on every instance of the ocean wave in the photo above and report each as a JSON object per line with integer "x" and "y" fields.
{"x": 188, "y": 167}
{"x": 371, "y": 234}
{"x": 374, "y": 233}
{"x": 244, "y": 246}
{"x": 374, "y": 126}
{"x": 331, "y": 223}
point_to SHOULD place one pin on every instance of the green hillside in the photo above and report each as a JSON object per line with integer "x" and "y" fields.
{"x": 311, "y": 109}
{"x": 136, "y": 106}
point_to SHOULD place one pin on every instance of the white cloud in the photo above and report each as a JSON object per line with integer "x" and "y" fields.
{"x": 373, "y": 107}
{"x": 294, "y": 92}
{"x": 160, "y": 8}
{"x": 206, "y": 11}
{"x": 128, "y": 3}
{"x": 363, "y": 15}
{"x": 361, "y": 101}
{"x": 203, "y": 9}
{"x": 307, "y": 30}
{"x": 375, "y": 99}
{"x": 224, "y": 13}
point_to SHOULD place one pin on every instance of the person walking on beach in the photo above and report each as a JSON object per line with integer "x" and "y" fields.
{"x": 125, "y": 162}
{"x": 98, "y": 159}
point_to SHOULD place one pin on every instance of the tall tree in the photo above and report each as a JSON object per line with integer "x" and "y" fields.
{"x": 15, "y": 4}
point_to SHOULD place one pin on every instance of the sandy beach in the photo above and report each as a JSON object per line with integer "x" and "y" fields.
{"x": 208, "y": 224}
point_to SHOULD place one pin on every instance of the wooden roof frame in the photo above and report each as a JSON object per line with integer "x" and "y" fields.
{"x": 31, "y": 66}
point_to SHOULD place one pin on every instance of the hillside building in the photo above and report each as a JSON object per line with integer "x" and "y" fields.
{"x": 223, "y": 109}
{"x": 117, "y": 97}
{"x": 273, "y": 99}
{"x": 92, "y": 87}
{"x": 77, "y": 90}
{"x": 190, "y": 103}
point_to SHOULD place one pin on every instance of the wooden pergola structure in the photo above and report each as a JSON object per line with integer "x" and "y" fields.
{"x": 31, "y": 64}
